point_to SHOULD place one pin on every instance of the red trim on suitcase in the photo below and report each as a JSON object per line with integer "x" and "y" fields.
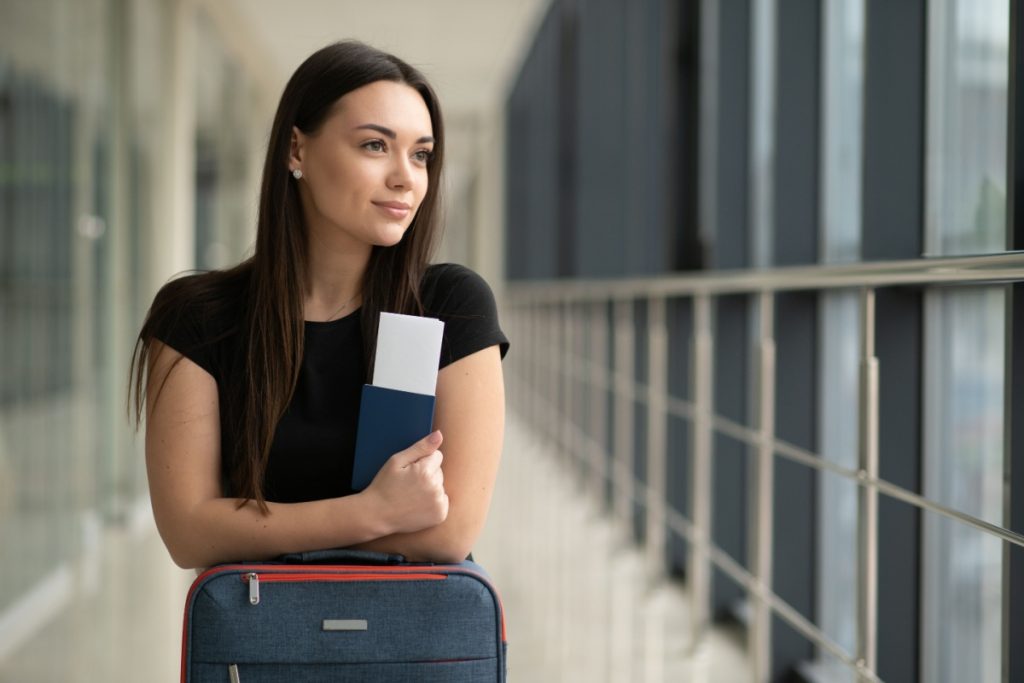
{"x": 319, "y": 576}
{"x": 285, "y": 572}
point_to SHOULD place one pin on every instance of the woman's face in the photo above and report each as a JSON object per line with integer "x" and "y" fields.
{"x": 364, "y": 172}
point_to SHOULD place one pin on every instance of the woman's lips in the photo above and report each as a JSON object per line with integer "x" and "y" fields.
{"x": 394, "y": 209}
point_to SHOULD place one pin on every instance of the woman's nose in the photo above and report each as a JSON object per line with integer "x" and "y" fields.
{"x": 401, "y": 176}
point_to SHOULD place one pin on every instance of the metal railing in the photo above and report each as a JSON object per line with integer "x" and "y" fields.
{"x": 564, "y": 331}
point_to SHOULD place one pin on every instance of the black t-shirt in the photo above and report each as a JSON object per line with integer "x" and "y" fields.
{"x": 312, "y": 452}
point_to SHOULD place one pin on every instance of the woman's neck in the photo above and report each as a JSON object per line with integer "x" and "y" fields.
{"x": 335, "y": 282}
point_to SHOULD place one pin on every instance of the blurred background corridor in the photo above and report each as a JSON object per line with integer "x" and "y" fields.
{"x": 761, "y": 264}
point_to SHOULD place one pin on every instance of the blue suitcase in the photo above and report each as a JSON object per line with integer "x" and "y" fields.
{"x": 343, "y": 616}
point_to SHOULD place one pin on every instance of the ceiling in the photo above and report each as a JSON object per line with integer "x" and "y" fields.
{"x": 468, "y": 49}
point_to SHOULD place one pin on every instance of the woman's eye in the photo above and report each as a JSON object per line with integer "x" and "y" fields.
{"x": 423, "y": 156}
{"x": 374, "y": 145}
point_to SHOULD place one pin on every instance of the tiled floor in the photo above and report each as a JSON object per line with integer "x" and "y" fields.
{"x": 121, "y": 623}
{"x": 578, "y": 604}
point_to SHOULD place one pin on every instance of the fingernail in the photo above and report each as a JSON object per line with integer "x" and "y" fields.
{"x": 434, "y": 438}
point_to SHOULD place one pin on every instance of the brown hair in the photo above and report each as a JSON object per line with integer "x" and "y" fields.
{"x": 273, "y": 279}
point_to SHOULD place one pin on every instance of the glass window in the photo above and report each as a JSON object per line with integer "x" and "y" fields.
{"x": 762, "y": 155}
{"x": 967, "y": 99}
{"x": 226, "y": 155}
{"x": 964, "y": 470}
{"x": 842, "y": 103}
{"x": 964, "y": 354}
{"x": 55, "y": 117}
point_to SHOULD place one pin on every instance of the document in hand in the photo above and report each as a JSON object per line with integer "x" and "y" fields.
{"x": 397, "y": 409}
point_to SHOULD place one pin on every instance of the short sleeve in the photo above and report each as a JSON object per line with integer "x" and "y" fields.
{"x": 183, "y": 326}
{"x": 465, "y": 303}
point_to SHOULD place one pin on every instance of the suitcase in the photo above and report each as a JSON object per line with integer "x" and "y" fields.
{"x": 343, "y": 616}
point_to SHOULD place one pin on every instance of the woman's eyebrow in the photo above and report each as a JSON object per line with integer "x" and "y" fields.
{"x": 387, "y": 132}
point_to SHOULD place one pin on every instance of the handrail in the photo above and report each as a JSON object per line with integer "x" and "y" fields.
{"x": 1004, "y": 267}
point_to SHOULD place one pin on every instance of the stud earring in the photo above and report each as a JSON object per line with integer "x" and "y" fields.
{"x": 297, "y": 173}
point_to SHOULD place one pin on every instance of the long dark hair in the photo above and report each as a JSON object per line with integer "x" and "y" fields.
{"x": 273, "y": 279}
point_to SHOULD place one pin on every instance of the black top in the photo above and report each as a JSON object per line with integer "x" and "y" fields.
{"x": 312, "y": 452}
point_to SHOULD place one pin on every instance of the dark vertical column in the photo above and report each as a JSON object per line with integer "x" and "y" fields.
{"x": 683, "y": 115}
{"x": 600, "y": 155}
{"x": 7, "y": 197}
{"x": 1014, "y": 584}
{"x": 899, "y": 348}
{"x": 796, "y": 324}
{"x": 533, "y": 236}
{"x": 515, "y": 164}
{"x": 727, "y": 248}
{"x": 796, "y": 223}
{"x": 892, "y": 228}
{"x": 679, "y": 321}
{"x": 729, "y": 465}
{"x": 730, "y": 247}
{"x": 893, "y": 176}
{"x": 568, "y": 96}
{"x": 797, "y": 102}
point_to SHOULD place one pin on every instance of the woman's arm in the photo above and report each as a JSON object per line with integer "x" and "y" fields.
{"x": 470, "y": 413}
{"x": 200, "y": 527}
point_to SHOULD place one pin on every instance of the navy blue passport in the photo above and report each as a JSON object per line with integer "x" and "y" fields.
{"x": 389, "y": 421}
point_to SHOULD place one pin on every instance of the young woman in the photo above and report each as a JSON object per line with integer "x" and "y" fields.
{"x": 250, "y": 378}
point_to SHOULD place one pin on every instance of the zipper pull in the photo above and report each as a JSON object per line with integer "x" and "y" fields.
{"x": 254, "y": 588}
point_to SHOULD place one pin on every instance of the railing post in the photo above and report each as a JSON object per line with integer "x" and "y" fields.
{"x": 564, "y": 353}
{"x": 624, "y": 381}
{"x": 762, "y": 521}
{"x": 574, "y": 366}
{"x": 551, "y": 371}
{"x": 867, "y": 495}
{"x": 699, "y": 570}
{"x": 599, "y": 382}
{"x": 657, "y": 382}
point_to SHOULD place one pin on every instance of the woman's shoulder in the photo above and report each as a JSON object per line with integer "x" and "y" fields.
{"x": 453, "y": 284}
{"x": 197, "y": 308}
{"x": 205, "y": 292}
{"x": 462, "y": 299}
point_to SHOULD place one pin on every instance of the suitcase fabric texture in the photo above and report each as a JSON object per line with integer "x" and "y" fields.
{"x": 343, "y": 616}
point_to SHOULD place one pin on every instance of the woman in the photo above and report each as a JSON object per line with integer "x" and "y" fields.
{"x": 250, "y": 378}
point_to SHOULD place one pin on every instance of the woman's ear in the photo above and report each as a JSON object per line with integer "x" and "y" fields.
{"x": 296, "y": 147}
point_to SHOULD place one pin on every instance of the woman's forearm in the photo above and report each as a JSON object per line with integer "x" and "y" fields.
{"x": 218, "y": 530}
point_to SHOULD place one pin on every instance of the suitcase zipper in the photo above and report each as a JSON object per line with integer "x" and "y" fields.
{"x": 254, "y": 587}
{"x": 254, "y": 580}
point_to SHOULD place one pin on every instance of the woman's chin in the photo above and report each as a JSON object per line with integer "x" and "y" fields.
{"x": 389, "y": 238}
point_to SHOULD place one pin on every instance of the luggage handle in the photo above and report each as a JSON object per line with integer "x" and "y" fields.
{"x": 342, "y": 556}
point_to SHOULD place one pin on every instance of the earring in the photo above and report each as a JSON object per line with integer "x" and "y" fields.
{"x": 297, "y": 173}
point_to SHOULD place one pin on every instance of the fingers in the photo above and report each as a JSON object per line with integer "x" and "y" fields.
{"x": 424, "y": 447}
{"x": 412, "y": 485}
{"x": 429, "y": 463}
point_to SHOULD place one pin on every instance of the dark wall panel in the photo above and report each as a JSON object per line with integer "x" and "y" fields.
{"x": 894, "y": 85}
{"x": 730, "y": 236}
{"x": 794, "y": 505}
{"x": 1014, "y": 602}
{"x": 679, "y": 321}
{"x": 797, "y": 105}
{"x": 729, "y": 463}
{"x": 898, "y": 346}
{"x": 600, "y": 155}
{"x": 533, "y": 233}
